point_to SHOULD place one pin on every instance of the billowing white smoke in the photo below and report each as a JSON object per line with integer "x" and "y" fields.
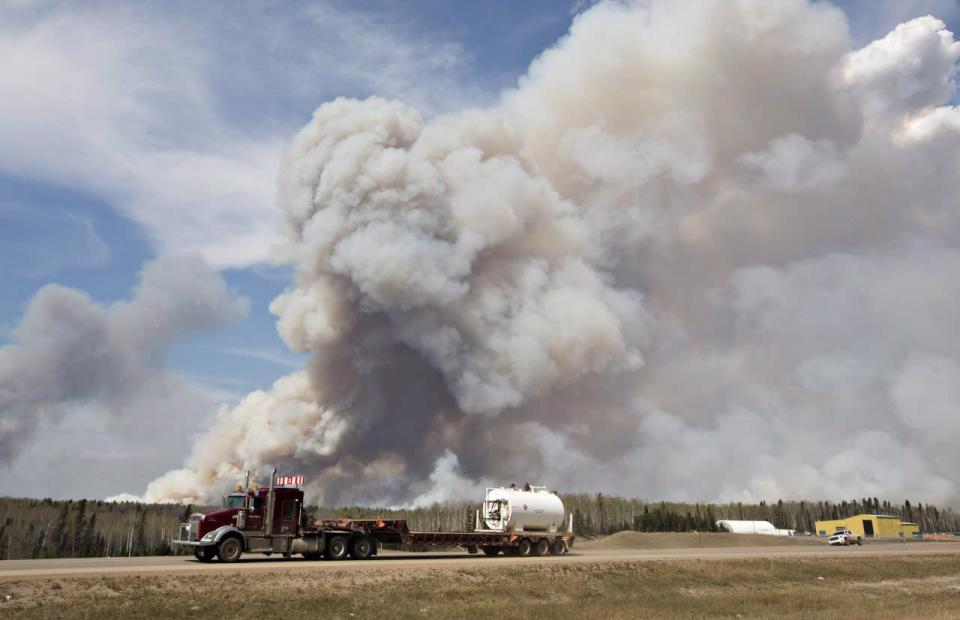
{"x": 703, "y": 251}
{"x": 69, "y": 350}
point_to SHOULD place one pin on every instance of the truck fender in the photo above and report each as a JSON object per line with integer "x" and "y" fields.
{"x": 226, "y": 530}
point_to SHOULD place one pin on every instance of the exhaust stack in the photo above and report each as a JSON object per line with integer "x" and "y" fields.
{"x": 268, "y": 521}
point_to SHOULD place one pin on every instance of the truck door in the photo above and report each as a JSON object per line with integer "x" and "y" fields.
{"x": 255, "y": 516}
{"x": 289, "y": 516}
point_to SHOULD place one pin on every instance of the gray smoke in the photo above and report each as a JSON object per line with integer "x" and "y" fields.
{"x": 69, "y": 350}
{"x": 702, "y": 251}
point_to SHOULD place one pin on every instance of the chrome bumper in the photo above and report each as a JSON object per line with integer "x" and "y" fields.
{"x": 185, "y": 538}
{"x": 191, "y": 543}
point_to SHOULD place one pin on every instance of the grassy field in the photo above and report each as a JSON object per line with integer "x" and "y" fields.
{"x": 786, "y": 588}
{"x": 686, "y": 540}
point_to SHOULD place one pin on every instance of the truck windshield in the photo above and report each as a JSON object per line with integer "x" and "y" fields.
{"x": 233, "y": 501}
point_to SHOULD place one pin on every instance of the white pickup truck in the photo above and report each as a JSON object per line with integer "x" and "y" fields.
{"x": 845, "y": 537}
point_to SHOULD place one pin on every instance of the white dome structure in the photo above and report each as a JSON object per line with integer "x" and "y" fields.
{"x": 752, "y": 527}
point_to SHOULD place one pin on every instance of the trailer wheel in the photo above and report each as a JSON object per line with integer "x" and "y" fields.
{"x": 542, "y": 547}
{"x": 229, "y": 549}
{"x": 337, "y": 548}
{"x": 205, "y": 554}
{"x": 361, "y": 548}
{"x": 558, "y": 547}
{"x": 491, "y": 550}
{"x": 524, "y": 547}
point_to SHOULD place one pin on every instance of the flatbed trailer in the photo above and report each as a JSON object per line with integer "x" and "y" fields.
{"x": 490, "y": 542}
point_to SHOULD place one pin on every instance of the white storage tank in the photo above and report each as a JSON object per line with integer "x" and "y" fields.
{"x": 528, "y": 509}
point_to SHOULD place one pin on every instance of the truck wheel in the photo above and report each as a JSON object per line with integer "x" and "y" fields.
{"x": 558, "y": 547}
{"x": 542, "y": 547}
{"x": 337, "y": 548}
{"x": 229, "y": 549}
{"x": 490, "y": 550}
{"x": 362, "y": 548}
{"x": 205, "y": 554}
{"x": 524, "y": 547}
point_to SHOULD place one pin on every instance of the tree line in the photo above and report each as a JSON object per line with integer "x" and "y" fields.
{"x": 599, "y": 514}
{"x": 45, "y": 528}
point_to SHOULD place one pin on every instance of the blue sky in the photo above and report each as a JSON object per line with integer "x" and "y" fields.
{"x": 264, "y": 69}
{"x": 136, "y": 129}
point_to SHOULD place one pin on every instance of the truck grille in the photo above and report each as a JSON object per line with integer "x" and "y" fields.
{"x": 188, "y": 532}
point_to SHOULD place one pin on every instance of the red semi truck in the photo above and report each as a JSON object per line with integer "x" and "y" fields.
{"x": 271, "y": 520}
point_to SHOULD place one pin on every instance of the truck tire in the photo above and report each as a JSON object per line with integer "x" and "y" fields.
{"x": 361, "y": 548}
{"x": 490, "y": 550}
{"x": 337, "y": 548}
{"x": 524, "y": 547}
{"x": 230, "y": 549}
{"x": 559, "y": 547}
{"x": 542, "y": 547}
{"x": 205, "y": 554}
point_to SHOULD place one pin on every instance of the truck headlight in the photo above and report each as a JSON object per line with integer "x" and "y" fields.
{"x": 207, "y": 536}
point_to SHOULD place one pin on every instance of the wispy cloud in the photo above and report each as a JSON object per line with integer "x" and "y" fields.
{"x": 48, "y": 240}
{"x": 385, "y": 54}
{"x": 179, "y": 124}
{"x": 272, "y": 356}
{"x": 94, "y": 251}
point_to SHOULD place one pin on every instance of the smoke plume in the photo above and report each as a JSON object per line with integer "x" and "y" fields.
{"x": 702, "y": 251}
{"x": 69, "y": 350}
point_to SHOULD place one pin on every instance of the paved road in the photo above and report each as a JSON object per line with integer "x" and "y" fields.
{"x": 19, "y": 569}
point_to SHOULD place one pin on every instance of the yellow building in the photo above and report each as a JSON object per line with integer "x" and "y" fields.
{"x": 870, "y": 526}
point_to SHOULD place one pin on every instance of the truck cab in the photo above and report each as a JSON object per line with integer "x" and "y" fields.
{"x": 247, "y": 512}
{"x": 264, "y": 520}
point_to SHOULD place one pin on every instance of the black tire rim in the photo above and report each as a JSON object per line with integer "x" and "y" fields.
{"x": 338, "y": 547}
{"x": 363, "y": 547}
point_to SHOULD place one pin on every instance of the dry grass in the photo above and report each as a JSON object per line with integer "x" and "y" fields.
{"x": 685, "y": 540}
{"x": 787, "y": 588}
